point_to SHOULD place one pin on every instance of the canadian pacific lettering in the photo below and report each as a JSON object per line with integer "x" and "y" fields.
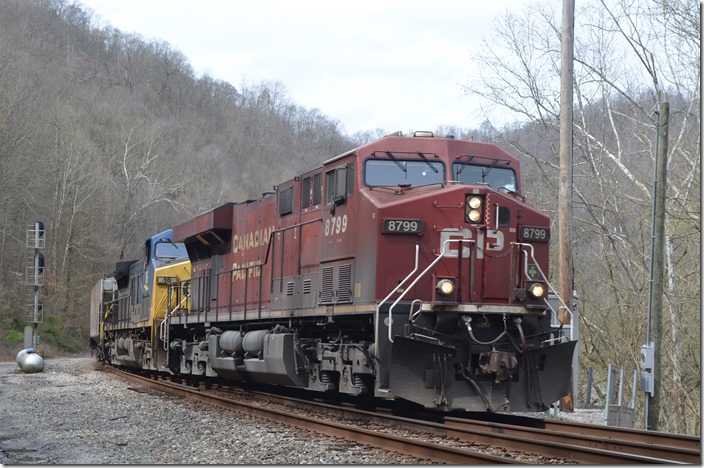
{"x": 251, "y": 240}
{"x": 246, "y": 270}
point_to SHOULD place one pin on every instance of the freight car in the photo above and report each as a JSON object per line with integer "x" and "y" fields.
{"x": 409, "y": 268}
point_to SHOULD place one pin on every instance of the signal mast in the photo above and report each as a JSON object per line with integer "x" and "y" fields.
{"x": 36, "y": 241}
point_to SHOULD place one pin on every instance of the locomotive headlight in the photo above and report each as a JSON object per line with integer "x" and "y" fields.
{"x": 536, "y": 290}
{"x": 474, "y": 208}
{"x": 445, "y": 287}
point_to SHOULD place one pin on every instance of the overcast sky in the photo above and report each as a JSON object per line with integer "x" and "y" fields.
{"x": 394, "y": 65}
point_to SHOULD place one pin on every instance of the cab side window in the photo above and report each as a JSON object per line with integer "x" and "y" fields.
{"x": 286, "y": 201}
{"x": 339, "y": 184}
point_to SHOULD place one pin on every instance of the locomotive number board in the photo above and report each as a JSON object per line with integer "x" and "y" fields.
{"x": 537, "y": 234}
{"x": 402, "y": 226}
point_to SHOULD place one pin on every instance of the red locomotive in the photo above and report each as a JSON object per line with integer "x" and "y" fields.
{"x": 410, "y": 267}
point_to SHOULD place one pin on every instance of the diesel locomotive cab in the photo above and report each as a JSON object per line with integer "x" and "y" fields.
{"x": 469, "y": 326}
{"x": 133, "y": 300}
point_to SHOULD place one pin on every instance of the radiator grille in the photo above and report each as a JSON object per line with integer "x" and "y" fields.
{"x": 317, "y": 189}
{"x": 305, "y": 193}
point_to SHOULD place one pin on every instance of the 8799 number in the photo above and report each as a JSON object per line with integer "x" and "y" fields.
{"x": 402, "y": 226}
{"x": 539, "y": 234}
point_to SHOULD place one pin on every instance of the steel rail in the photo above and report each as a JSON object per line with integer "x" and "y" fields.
{"x": 622, "y": 433}
{"x": 416, "y": 448}
{"x": 597, "y": 447}
{"x": 667, "y": 447}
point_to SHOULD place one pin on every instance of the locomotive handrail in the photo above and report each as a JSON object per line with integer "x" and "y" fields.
{"x": 108, "y": 311}
{"x": 162, "y": 325}
{"x": 403, "y": 294}
{"x": 525, "y": 268}
{"x": 412, "y": 316}
{"x": 231, "y": 273}
{"x": 378, "y": 307}
{"x": 164, "y": 298}
{"x": 460, "y": 206}
{"x": 284, "y": 229}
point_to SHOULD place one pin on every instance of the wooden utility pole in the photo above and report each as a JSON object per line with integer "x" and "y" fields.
{"x": 658, "y": 264}
{"x": 565, "y": 209}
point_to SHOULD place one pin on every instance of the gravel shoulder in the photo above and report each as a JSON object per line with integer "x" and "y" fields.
{"x": 73, "y": 413}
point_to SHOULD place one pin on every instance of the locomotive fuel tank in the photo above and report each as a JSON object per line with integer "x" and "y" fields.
{"x": 257, "y": 356}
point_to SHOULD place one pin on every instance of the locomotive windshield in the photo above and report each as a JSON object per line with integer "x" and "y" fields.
{"x": 170, "y": 250}
{"x": 390, "y": 173}
{"x": 495, "y": 177}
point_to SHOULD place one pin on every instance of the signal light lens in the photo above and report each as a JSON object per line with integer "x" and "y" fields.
{"x": 536, "y": 290}
{"x": 474, "y": 208}
{"x": 445, "y": 287}
{"x": 474, "y": 216}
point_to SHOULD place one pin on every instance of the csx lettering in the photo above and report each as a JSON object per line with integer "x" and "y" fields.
{"x": 251, "y": 240}
{"x": 335, "y": 225}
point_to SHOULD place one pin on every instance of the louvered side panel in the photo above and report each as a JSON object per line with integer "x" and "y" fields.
{"x": 344, "y": 284}
{"x": 326, "y": 290}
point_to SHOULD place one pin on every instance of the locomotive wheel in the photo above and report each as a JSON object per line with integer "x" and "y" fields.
{"x": 403, "y": 407}
{"x": 365, "y": 401}
{"x": 332, "y": 397}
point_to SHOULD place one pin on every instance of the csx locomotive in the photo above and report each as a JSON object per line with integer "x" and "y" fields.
{"x": 409, "y": 268}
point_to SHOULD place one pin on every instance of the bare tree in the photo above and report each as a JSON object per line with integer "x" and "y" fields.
{"x": 144, "y": 176}
{"x": 630, "y": 56}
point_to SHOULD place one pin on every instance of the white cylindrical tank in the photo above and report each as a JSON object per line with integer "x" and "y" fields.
{"x": 29, "y": 361}
{"x": 21, "y": 354}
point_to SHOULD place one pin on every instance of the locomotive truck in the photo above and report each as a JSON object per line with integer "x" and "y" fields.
{"x": 409, "y": 268}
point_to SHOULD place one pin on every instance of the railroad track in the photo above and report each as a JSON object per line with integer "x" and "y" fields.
{"x": 456, "y": 440}
{"x": 671, "y": 447}
{"x": 595, "y": 444}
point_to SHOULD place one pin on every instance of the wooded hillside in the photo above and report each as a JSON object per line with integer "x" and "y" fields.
{"x": 108, "y": 139}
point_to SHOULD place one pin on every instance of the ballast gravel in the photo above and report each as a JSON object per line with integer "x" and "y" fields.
{"x": 73, "y": 413}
